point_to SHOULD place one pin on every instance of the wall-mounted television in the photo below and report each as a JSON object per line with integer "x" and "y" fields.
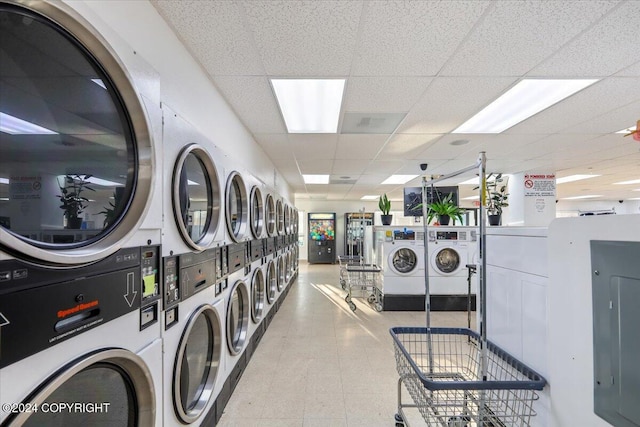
{"x": 413, "y": 198}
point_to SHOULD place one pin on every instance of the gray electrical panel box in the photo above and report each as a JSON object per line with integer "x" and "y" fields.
{"x": 616, "y": 331}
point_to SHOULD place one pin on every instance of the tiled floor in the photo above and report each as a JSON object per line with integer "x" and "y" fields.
{"x": 319, "y": 364}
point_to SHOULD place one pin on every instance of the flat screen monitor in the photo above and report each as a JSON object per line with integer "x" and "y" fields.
{"x": 413, "y": 198}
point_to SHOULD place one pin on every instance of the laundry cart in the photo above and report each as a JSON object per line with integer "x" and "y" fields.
{"x": 455, "y": 376}
{"x": 364, "y": 279}
{"x": 344, "y": 261}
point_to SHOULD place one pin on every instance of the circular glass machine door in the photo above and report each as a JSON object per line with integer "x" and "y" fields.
{"x": 280, "y": 216}
{"x": 447, "y": 261}
{"x": 272, "y": 281}
{"x": 257, "y": 213}
{"x": 76, "y": 163}
{"x": 236, "y": 207}
{"x": 117, "y": 377}
{"x": 282, "y": 275}
{"x": 270, "y": 215}
{"x": 197, "y": 363}
{"x": 196, "y": 197}
{"x": 237, "y": 318}
{"x": 257, "y": 295}
{"x": 404, "y": 260}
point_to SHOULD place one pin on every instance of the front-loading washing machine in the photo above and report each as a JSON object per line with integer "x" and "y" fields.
{"x": 401, "y": 253}
{"x": 194, "y": 337}
{"x": 449, "y": 252}
{"x": 61, "y": 362}
{"x": 79, "y": 142}
{"x": 236, "y": 208}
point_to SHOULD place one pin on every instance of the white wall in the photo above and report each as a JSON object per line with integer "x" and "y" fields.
{"x": 571, "y": 312}
{"x": 136, "y": 28}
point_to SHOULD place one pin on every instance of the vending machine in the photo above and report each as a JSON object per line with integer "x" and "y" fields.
{"x": 322, "y": 238}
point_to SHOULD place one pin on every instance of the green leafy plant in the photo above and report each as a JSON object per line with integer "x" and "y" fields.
{"x": 384, "y": 204}
{"x": 444, "y": 207}
{"x": 73, "y": 203}
{"x": 497, "y": 196}
{"x": 109, "y": 212}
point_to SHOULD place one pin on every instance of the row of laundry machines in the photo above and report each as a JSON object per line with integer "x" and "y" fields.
{"x": 140, "y": 264}
{"x": 400, "y": 251}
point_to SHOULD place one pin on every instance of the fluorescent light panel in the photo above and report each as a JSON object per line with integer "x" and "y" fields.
{"x": 4, "y": 180}
{"x": 316, "y": 179}
{"x": 591, "y": 196}
{"x": 633, "y": 181}
{"x": 309, "y": 105}
{"x": 103, "y": 182}
{"x": 572, "y": 178}
{"x": 528, "y": 97}
{"x": 100, "y": 83}
{"x": 4, "y": 199}
{"x": 189, "y": 182}
{"x": 369, "y": 197}
{"x": 627, "y": 130}
{"x": 398, "y": 179}
{"x": 471, "y": 198}
{"x": 15, "y": 126}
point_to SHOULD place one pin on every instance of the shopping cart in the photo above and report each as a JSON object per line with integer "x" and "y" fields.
{"x": 442, "y": 370}
{"x": 363, "y": 279}
{"x": 344, "y": 261}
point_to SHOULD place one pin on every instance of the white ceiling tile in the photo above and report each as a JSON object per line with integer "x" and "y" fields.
{"x": 406, "y": 146}
{"x": 359, "y": 146}
{"x": 215, "y": 32}
{"x": 412, "y": 38}
{"x": 381, "y": 166}
{"x": 631, "y": 71}
{"x": 608, "y": 47}
{"x": 450, "y": 101}
{"x": 309, "y": 38}
{"x": 314, "y": 146}
{"x": 315, "y": 166}
{"x": 383, "y": 94}
{"x": 349, "y": 167}
{"x": 372, "y": 179}
{"x": 612, "y": 121}
{"x": 253, "y": 100}
{"x": 516, "y": 35}
{"x": 584, "y": 108}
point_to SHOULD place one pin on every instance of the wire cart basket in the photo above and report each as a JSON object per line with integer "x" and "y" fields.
{"x": 455, "y": 376}
{"x": 442, "y": 370}
{"x": 364, "y": 279}
{"x": 344, "y": 261}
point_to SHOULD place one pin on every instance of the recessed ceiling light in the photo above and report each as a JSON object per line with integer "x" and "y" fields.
{"x": 634, "y": 198}
{"x": 369, "y": 197}
{"x": 100, "y": 83}
{"x": 15, "y": 126}
{"x": 633, "y": 181}
{"x": 459, "y": 142}
{"x": 309, "y": 105}
{"x": 4, "y": 199}
{"x": 316, "y": 179}
{"x": 627, "y": 130}
{"x": 637, "y": 189}
{"x": 572, "y": 178}
{"x": 4, "y": 180}
{"x": 103, "y": 182}
{"x": 528, "y": 97}
{"x": 591, "y": 196}
{"x": 398, "y": 179}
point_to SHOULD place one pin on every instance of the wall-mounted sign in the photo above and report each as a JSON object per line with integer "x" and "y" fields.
{"x": 539, "y": 185}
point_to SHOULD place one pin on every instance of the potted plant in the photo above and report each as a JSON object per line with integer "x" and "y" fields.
{"x": 111, "y": 212}
{"x": 73, "y": 203}
{"x": 444, "y": 210}
{"x": 497, "y": 198}
{"x": 385, "y": 206}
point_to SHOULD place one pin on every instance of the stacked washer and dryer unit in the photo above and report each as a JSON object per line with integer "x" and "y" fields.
{"x": 80, "y": 225}
{"x": 147, "y": 310}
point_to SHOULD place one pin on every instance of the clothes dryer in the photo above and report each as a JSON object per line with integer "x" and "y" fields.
{"x": 237, "y": 208}
{"x": 84, "y": 183}
{"x": 270, "y": 215}
{"x": 192, "y": 208}
{"x": 83, "y": 347}
{"x": 194, "y": 337}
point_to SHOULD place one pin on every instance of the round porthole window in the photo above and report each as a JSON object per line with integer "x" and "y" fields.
{"x": 282, "y": 273}
{"x": 272, "y": 282}
{"x": 280, "y": 216}
{"x": 76, "y": 163}
{"x": 287, "y": 219}
{"x": 257, "y": 213}
{"x": 237, "y": 318}
{"x": 236, "y": 208}
{"x": 257, "y": 295}
{"x": 270, "y": 215}
{"x": 196, "y": 197}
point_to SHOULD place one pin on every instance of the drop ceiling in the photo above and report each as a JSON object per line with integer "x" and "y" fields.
{"x": 438, "y": 63}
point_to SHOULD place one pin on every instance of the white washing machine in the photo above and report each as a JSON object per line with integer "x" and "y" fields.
{"x": 194, "y": 338}
{"x": 79, "y": 171}
{"x": 237, "y": 208}
{"x": 450, "y": 249}
{"x": 60, "y": 354}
